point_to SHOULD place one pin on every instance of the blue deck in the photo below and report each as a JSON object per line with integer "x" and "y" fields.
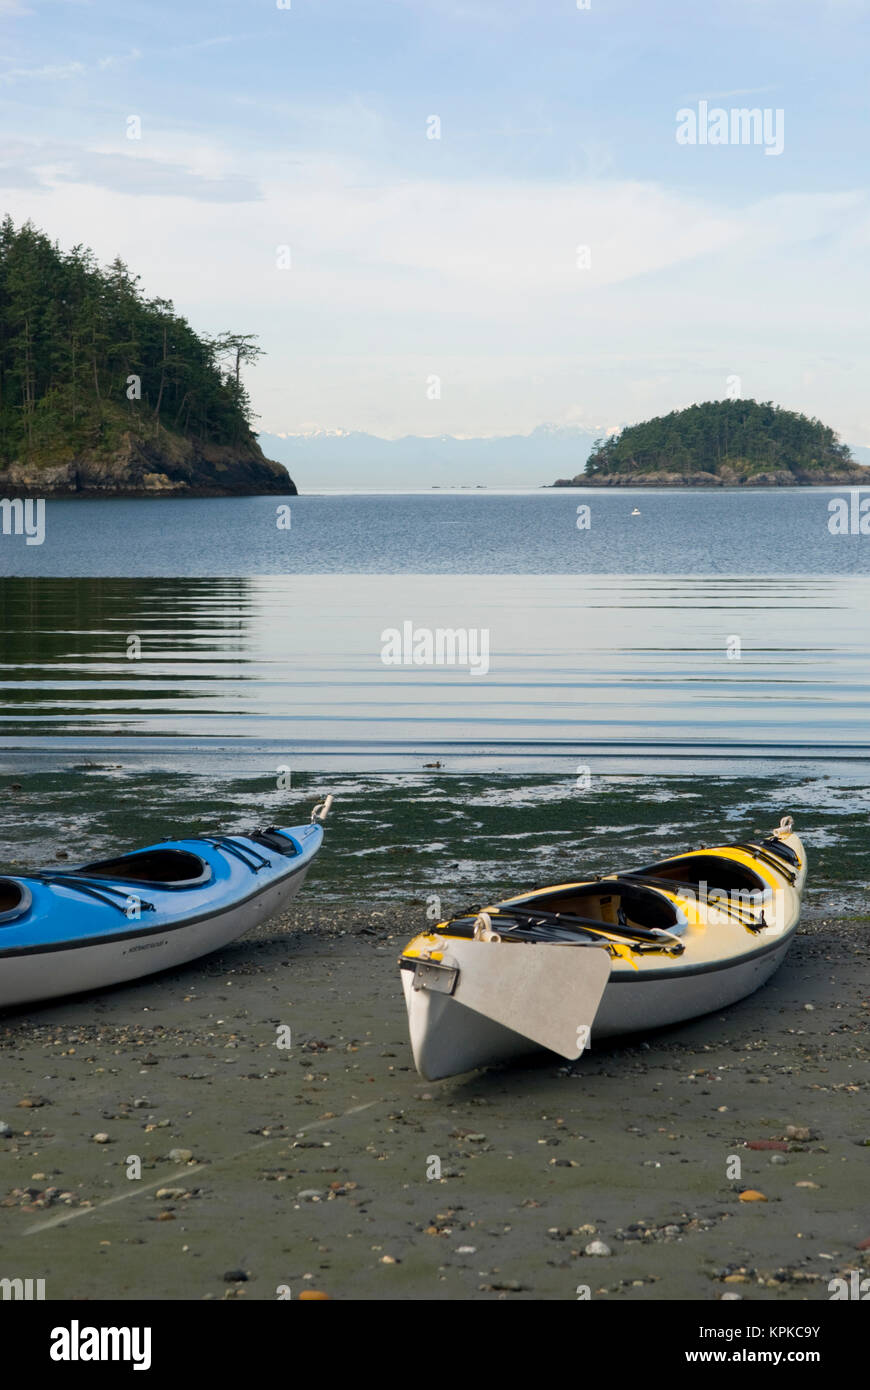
{"x": 67, "y": 905}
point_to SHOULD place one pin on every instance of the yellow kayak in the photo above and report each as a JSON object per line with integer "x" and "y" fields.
{"x": 668, "y": 942}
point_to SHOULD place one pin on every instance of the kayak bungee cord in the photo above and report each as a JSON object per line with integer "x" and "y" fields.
{"x": 100, "y": 888}
{"x": 654, "y": 936}
{"x": 725, "y": 905}
{"x": 783, "y": 851}
{"x": 93, "y": 888}
{"x": 758, "y": 852}
{"x": 721, "y": 901}
{"x": 240, "y": 851}
{"x": 524, "y": 920}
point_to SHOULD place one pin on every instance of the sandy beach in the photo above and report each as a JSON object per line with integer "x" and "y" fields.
{"x": 267, "y": 1171}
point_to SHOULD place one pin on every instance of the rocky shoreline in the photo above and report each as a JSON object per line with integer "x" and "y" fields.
{"x": 776, "y": 477}
{"x": 168, "y": 466}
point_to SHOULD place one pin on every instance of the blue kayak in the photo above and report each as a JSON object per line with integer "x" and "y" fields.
{"x": 68, "y": 929}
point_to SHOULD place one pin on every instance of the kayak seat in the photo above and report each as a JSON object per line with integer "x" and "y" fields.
{"x": 162, "y": 868}
{"x": 617, "y": 901}
{"x": 15, "y": 900}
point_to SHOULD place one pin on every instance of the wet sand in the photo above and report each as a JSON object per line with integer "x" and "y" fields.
{"x": 629, "y": 1147}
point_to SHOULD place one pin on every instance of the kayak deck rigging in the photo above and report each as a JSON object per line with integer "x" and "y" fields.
{"x": 616, "y": 909}
{"x": 167, "y": 867}
{"x": 98, "y": 889}
{"x": 69, "y": 928}
{"x": 676, "y": 939}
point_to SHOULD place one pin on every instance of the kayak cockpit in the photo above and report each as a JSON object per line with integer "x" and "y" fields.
{"x": 15, "y": 900}
{"x": 562, "y": 914}
{"x": 619, "y": 902}
{"x": 716, "y": 872}
{"x": 161, "y": 867}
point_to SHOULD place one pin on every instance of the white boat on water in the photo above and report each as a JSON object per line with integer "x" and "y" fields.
{"x": 623, "y": 953}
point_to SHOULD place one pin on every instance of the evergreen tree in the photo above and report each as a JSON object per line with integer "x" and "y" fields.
{"x": 744, "y": 435}
{"x": 72, "y": 335}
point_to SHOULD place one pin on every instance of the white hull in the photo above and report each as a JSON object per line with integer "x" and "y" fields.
{"x": 717, "y": 966}
{"x": 47, "y": 974}
{"x": 447, "y": 1038}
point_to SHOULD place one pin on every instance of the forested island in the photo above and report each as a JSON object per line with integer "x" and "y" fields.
{"x": 728, "y": 443}
{"x": 106, "y": 392}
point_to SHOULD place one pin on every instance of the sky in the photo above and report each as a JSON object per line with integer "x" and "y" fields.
{"x": 556, "y": 255}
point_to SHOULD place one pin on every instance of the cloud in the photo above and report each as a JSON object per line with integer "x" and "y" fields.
{"x": 142, "y": 177}
{"x": 218, "y": 41}
{"x": 479, "y": 282}
{"x": 19, "y": 176}
{"x": 485, "y": 245}
{"x": 45, "y": 166}
{"x": 60, "y": 72}
{"x": 114, "y": 60}
{"x": 51, "y": 72}
{"x": 724, "y": 96}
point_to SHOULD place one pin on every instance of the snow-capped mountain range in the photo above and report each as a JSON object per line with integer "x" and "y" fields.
{"x": 335, "y": 458}
{"x": 351, "y": 458}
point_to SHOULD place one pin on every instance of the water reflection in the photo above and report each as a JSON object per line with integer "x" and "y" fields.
{"x": 576, "y": 662}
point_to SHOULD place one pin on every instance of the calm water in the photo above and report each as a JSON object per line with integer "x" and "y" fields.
{"x": 777, "y": 531}
{"x": 252, "y": 649}
{"x": 619, "y": 673}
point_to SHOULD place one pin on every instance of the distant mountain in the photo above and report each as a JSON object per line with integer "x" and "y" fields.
{"x": 337, "y": 458}
{"x": 352, "y": 458}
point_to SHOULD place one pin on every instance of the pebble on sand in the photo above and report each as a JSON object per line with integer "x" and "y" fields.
{"x": 597, "y": 1247}
{"x": 312, "y": 1295}
{"x": 751, "y": 1195}
{"x": 181, "y": 1155}
{"x": 102, "y": 1139}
